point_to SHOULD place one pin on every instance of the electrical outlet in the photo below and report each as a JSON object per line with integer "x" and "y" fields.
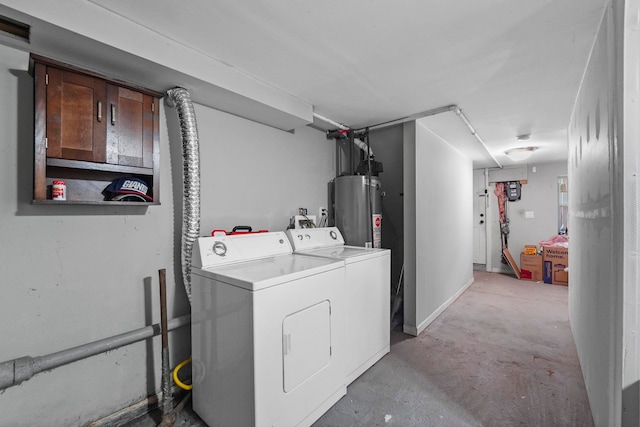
{"x": 322, "y": 211}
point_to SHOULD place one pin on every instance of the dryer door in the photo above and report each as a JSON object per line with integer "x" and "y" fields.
{"x": 306, "y": 341}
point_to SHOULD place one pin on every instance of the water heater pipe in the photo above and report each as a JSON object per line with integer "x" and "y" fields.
{"x": 360, "y": 144}
{"x": 364, "y": 147}
{"x": 179, "y": 98}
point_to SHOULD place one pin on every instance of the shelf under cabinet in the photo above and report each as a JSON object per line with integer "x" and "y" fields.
{"x": 93, "y": 203}
{"x": 99, "y": 167}
{"x": 85, "y": 184}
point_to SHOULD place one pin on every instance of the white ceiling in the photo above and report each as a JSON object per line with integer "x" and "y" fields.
{"x": 513, "y": 66}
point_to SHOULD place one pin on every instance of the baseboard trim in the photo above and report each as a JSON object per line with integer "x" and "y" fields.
{"x": 415, "y": 331}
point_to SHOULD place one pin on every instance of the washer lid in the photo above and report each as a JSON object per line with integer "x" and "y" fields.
{"x": 346, "y": 253}
{"x": 264, "y": 273}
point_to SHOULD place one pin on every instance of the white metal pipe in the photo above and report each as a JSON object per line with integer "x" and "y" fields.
{"x": 460, "y": 114}
{"x": 15, "y": 371}
{"x": 331, "y": 122}
{"x": 454, "y": 108}
{"x": 410, "y": 118}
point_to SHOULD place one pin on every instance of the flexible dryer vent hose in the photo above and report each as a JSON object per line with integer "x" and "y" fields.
{"x": 180, "y": 98}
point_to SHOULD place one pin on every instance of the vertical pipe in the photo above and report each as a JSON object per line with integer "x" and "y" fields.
{"x": 166, "y": 371}
{"x": 351, "y": 154}
{"x": 338, "y": 158}
{"x": 370, "y": 188}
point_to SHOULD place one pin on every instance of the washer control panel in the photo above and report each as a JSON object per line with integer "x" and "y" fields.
{"x": 311, "y": 238}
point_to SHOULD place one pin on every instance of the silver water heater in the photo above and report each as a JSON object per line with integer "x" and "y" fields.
{"x": 357, "y": 203}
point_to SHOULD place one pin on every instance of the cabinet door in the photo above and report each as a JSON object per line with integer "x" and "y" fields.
{"x": 130, "y": 127}
{"x": 75, "y": 116}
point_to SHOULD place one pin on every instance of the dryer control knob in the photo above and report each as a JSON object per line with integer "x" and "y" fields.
{"x": 333, "y": 235}
{"x": 219, "y": 248}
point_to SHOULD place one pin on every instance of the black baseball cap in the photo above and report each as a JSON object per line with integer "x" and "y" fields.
{"x": 129, "y": 189}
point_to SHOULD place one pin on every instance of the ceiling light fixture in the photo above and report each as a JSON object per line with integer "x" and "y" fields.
{"x": 519, "y": 154}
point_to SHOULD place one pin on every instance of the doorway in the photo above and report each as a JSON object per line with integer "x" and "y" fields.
{"x": 479, "y": 220}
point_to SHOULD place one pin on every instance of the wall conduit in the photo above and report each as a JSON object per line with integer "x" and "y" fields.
{"x": 14, "y": 372}
{"x": 460, "y": 114}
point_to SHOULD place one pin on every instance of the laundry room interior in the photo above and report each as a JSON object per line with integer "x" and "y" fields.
{"x": 168, "y": 282}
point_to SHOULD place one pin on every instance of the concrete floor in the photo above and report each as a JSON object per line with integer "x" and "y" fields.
{"x": 501, "y": 355}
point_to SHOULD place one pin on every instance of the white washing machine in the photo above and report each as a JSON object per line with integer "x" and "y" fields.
{"x": 368, "y": 288}
{"x": 268, "y": 332}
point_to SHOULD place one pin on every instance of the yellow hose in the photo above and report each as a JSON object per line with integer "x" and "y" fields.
{"x": 175, "y": 375}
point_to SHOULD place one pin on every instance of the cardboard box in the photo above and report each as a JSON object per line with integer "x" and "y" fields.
{"x": 556, "y": 260}
{"x": 530, "y": 267}
{"x": 511, "y": 262}
{"x": 530, "y": 250}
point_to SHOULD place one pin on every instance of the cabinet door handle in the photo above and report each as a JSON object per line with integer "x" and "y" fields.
{"x": 113, "y": 114}
{"x": 99, "y": 111}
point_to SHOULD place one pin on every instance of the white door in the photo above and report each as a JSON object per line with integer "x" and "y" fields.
{"x": 479, "y": 217}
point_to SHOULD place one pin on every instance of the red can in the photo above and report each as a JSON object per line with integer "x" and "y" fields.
{"x": 59, "y": 190}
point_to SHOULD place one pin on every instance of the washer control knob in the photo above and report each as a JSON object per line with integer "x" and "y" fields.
{"x": 333, "y": 235}
{"x": 219, "y": 248}
{"x": 307, "y": 236}
{"x": 300, "y": 237}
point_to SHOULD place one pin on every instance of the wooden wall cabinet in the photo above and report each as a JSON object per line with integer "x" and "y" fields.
{"x": 90, "y": 130}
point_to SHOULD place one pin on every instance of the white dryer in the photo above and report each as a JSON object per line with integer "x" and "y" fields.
{"x": 368, "y": 288}
{"x": 268, "y": 332}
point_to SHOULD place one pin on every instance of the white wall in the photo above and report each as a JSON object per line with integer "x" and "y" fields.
{"x": 594, "y": 280}
{"x": 628, "y": 28}
{"x": 75, "y": 274}
{"x": 539, "y": 195}
{"x": 259, "y": 176}
{"x": 439, "y": 231}
{"x": 601, "y": 305}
